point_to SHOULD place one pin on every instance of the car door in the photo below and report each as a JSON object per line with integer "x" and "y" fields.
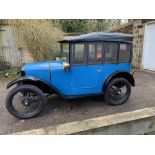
{"x": 85, "y": 77}
{"x": 86, "y": 59}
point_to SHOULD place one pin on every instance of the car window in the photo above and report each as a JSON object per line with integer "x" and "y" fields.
{"x": 77, "y": 53}
{"x": 91, "y": 54}
{"x": 99, "y": 52}
{"x": 94, "y": 53}
{"x": 124, "y": 53}
{"x": 110, "y": 50}
{"x": 65, "y": 52}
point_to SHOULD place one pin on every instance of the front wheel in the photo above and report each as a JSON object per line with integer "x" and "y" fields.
{"x": 117, "y": 91}
{"x": 25, "y": 101}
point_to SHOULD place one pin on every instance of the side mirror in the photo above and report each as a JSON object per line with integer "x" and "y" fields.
{"x": 66, "y": 66}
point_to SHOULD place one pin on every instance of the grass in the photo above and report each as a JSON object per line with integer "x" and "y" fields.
{"x": 10, "y": 73}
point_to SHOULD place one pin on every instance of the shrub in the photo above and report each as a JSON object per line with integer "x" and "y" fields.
{"x": 37, "y": 36}
{"x": 9, "y": 73}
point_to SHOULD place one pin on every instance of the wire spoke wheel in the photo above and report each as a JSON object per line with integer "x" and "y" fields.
{"x": 25, "y": 101}
{"x": 118, "y": 91}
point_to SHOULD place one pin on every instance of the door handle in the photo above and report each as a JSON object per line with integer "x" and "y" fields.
{"x": 99, "y": 70}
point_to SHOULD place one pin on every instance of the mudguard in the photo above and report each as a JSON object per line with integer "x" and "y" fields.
{"x": 43, "y": 85}
{"x": 123, "y": 74}
{"x": 23, "y": 79}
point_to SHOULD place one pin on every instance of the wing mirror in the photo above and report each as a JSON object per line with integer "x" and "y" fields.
{"x": 66, "y": 66}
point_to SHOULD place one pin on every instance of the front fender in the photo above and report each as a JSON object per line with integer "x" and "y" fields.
{"x": 26, "y": 79}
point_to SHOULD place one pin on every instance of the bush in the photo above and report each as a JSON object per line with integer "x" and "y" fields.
{"x": 37, "y": 36}
{"x": 74, "y": 25}
{"x": 88, "y": 25}
{"x": 9, "y": 73}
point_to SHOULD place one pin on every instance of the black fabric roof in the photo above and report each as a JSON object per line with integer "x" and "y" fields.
{"x": 99, "y": 36}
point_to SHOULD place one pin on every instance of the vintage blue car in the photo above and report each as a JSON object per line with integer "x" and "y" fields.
{"x": 90, "y": 64}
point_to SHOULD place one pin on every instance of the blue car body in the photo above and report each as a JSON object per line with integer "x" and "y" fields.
{"x": 82, "y": 78}
{"x": 78, "y": 80}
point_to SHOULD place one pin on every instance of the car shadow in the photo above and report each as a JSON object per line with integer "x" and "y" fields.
{"x": 57, "y": 103}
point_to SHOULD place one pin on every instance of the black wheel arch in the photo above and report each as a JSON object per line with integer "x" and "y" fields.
{"x": 121, "y": 74}
{"x": 43, "y": 85}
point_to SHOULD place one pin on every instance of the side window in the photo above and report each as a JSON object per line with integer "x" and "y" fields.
{"x": 110, "y": 50}
{"x": 77, "y": 53}
{"x": 65, "y": 52}
{"x": 124, "y": 53}
{"x": 99, "y": 52}
{"x": 91, "y": 54}
{"x": 94, "y": 53}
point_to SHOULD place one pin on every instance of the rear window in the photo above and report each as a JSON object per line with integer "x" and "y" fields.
{"x": 124, "y": 53}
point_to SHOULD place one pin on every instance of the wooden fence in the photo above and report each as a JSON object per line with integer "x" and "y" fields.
{"x": 9, "y": 52}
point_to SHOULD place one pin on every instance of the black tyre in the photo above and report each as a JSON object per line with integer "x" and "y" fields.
{"x": 118, "y": 91}
{"x": 25, "y": 101}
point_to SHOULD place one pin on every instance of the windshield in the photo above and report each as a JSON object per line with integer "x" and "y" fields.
{"x": 65, "y": 52}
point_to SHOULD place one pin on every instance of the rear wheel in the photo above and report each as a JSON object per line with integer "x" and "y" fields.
{"x": 25, "y": 101}
{"x": 117, "y": 91}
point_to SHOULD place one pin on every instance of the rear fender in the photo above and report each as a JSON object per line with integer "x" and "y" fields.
{"x": 120, "y": 74}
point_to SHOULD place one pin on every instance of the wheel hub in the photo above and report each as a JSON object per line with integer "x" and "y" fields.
{"x": 116, "y": 91}
{"x": 119, "y": 91}
{"x": 26, "y": 101}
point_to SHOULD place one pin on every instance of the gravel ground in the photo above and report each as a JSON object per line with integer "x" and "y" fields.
{"x": 58, "y": 110}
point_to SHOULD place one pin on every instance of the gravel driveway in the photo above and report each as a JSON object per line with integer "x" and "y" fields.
{"x": 59, "y": 111}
